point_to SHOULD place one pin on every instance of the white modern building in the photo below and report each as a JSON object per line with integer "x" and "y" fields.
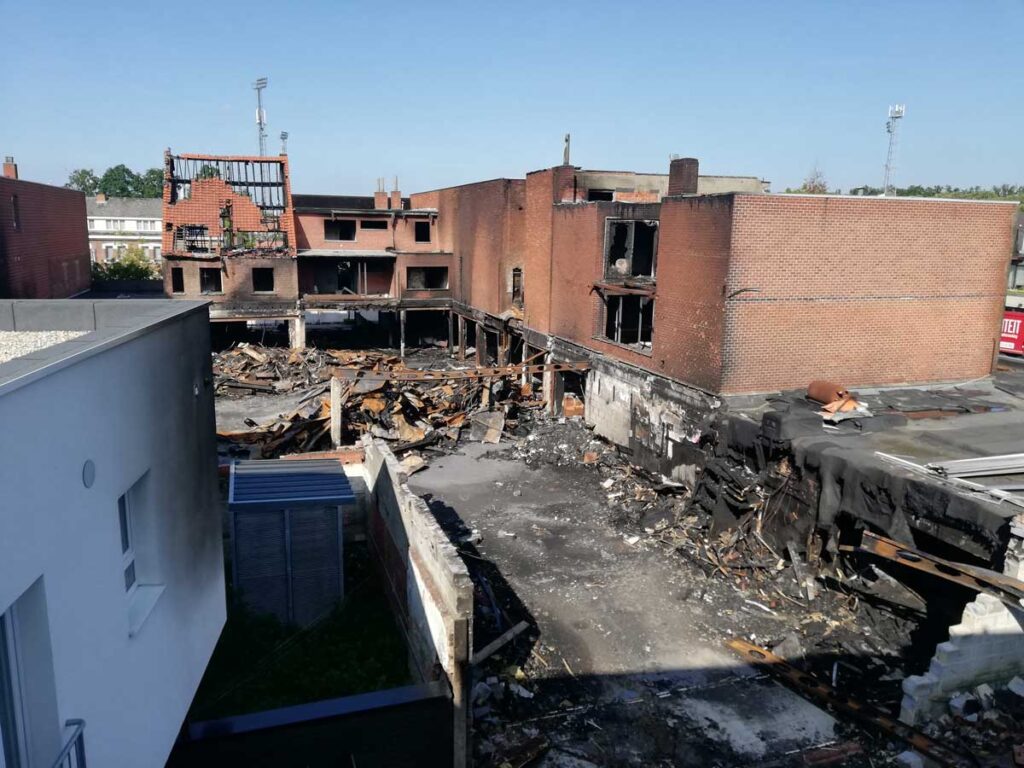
{"x": 111, "y": 560}
{"x": 118, "y": 222}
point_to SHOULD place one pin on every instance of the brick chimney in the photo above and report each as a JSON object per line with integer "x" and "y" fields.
{"x": 10, "y": 168}
{"x": 101, "y": 198}
{"x": 682, "y": 176}
{"x": 380, "y": 197}
{"x": 396, "y": 197}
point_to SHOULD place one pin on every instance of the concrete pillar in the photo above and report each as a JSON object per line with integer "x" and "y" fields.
{"x": 297, "y": 332}
{"x": 401, "y": 334}
{"x": 451, "y": 334}
{"x": 553, "y": 388}
{"x": 462, "y": 338}
{"x": 336, "y": 409}
{"x": 481, "y": 344}
{"x": 503, "y": 348}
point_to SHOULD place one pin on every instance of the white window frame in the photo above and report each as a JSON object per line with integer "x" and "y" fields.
{"x": 126, "y": 527}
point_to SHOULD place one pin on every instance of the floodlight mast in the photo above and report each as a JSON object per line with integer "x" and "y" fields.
{"x": 261, "y": 115}
{"x": 896, "y": 112}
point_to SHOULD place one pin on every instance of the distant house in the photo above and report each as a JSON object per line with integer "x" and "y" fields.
{"x": 111, "y": 562}
{"x": 117, "y": 222}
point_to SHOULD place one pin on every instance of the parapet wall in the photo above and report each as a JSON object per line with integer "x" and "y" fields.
{"x": 427, "y": 582}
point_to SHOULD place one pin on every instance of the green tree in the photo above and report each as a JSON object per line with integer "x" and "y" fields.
{"x": 132, "y": 265}
{"x": 84, "y": 180}
{"x": 208, "y": 172}
{"x": 151, "y": 183}
{"x": 120, "y": 181}
{"x": 814, "y": 184}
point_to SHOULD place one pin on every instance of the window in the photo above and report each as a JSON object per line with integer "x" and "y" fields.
{"x": 15, "y": 212}
{"x": 194, "y": 238}
{"x": 373, "y": 224}
{"x": 629, "y": 320}
{"x": 600, "y": 194}
{"x": 108, "y": 253}
{"x": 517, "y": 285}
{"x": 124, "y": 517}
{"x": 92, "y": 223}
{"x": 209, "y": 280}
{"x": 177, "y": 280}
{"x": 340, "y": 229}
{"x": 630, "y": 248}
{"x": 422, "y": 231}
{"x": 263, "y": 279}
{"x": 426, "y": 278}
{"x": 156, "y": 253}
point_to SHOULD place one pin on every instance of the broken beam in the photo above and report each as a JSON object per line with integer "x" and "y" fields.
{"x": 1005, "y": 588}
{"x": 488, "y": 650}
{"x": 410, "y": 374}
{"x": 822, "y": 693}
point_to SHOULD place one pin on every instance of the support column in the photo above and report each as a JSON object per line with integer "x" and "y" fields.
{"x": 462, "y": 338}
{"x": 503, "y": 348}
{"x": 401, "y": 334}
{"x": 553, "y": 388}
{"x": 297, "y": 332}
{"x": 336, "y": 412}
{"x": 451, "y": 334}
{"x": 481, "y": 344}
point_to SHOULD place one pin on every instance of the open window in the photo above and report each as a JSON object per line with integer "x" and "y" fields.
{"x": 210, "y": 280}
{"x": 629, "y": 319}
{"x": 373, "y": 223}
{"x": 600, "y": 195}
{"x": 631, "y": 248}
{"x": 194, "y": 238}
{"x": 177, "y": 280}
{"x": 340, "y": 229}
{"x": 517, "y": 286}
{"x": 426, "y": 278}
{"x": 422, "y": 231}
{"x": 262, "y": 279}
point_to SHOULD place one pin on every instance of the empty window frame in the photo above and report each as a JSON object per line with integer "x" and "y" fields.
{"x": 629, "y": 320}
{"x": 340, "y": 229}
{"x": 426, "y": 278}
{"x": 631, "y": 248}
{"x": 210, "y": 280}
{"x": 177, "y": 280}
{"x": 373, "y": 223}
{"x": 194, "y": 238}
{"x": 422, "y": 231}
{"x": 594, "y": 195}
{"x": 262, "y": 279}
{"x": 517, "y": 285}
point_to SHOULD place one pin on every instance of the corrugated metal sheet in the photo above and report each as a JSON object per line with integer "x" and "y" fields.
{"x": 277, "y": 484}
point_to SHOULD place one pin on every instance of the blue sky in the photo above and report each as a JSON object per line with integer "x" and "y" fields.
{"x": 448, "y": 92}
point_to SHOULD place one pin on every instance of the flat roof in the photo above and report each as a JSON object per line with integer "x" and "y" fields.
{"x": 268, "y": 484}
{"x": 103, "y": 323}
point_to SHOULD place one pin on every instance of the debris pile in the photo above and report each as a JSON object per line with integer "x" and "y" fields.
{"x": 410, "y": 413}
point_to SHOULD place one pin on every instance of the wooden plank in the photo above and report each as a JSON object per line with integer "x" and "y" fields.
{"x": 469, "y": 373}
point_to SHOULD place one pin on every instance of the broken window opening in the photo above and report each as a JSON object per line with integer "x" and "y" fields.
{"x": 262, "y": 181}
{"x": 343, "y": 230}
{"x": 262, "y": 279}
{"x": 177, "y": 280}
{"x": 422, "y": 231}
{"x": 426, "y": 278}
{"x": 600, "y": 195}
{"x": 629, "y": 320}
{"x": 517, "y": 286}
{"x": 194, "y": 238}
{"x": 259, "y": 240}
{"x": 631, "y": 248}
{"x": 210, "y": 280}
{"x": 373, "y": 224}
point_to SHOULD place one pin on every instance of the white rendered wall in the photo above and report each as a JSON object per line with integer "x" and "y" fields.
{"x": 130, "y": 409}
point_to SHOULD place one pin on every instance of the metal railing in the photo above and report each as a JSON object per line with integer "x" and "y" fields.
{"x": 73, "y": 753}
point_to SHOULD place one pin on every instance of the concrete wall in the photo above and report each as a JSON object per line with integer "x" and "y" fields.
{"x": 45, "y": 254}
{"x": 137, "y": 404}
{"x": 427, "y": 581}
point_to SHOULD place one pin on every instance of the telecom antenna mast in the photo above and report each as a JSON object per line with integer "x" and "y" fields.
{"x": 896, "y": 112}
{"x": 261, "y": 115}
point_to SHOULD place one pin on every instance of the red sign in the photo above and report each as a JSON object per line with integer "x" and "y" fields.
{"x": 1011, "y": 341}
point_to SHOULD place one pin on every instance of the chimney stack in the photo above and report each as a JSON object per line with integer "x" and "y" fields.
{"x": 10, "y": 168}
{"x": 396, "y": 197}
{"x": 682, "y": 176}
{"x": 101, "y": 198}
{"x": 380, "y": 197}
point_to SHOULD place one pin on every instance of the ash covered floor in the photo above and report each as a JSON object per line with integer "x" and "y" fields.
{"x": 629, "y": 668}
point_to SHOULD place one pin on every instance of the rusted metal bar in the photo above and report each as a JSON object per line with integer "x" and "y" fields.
{"x": 410, "y": 374}
{"x": 1006, "y": 588}
{"x": 822, "y": 693}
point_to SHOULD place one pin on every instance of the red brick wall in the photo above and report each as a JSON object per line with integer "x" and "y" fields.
{"x": 400, "y": 234}
{"x": 47, "y": 256}
{"x": 863, "y": 290}
{"x": 236, "y": 278}
{"x": 405, "y": 260}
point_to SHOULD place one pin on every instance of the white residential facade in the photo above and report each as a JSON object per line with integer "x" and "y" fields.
{"x": 115, "y": 223}
{"x": 111, "y": 556}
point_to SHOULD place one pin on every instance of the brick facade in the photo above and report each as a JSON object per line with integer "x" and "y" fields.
{"x": 44, "y": 242}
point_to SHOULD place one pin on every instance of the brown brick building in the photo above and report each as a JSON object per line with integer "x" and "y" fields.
{"x": 44, "y": 243}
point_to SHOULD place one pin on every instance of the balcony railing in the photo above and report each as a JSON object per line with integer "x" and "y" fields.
{"x": 73, "y": 753}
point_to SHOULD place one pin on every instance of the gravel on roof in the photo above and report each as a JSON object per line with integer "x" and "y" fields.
{"x": 20, "y": 343}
